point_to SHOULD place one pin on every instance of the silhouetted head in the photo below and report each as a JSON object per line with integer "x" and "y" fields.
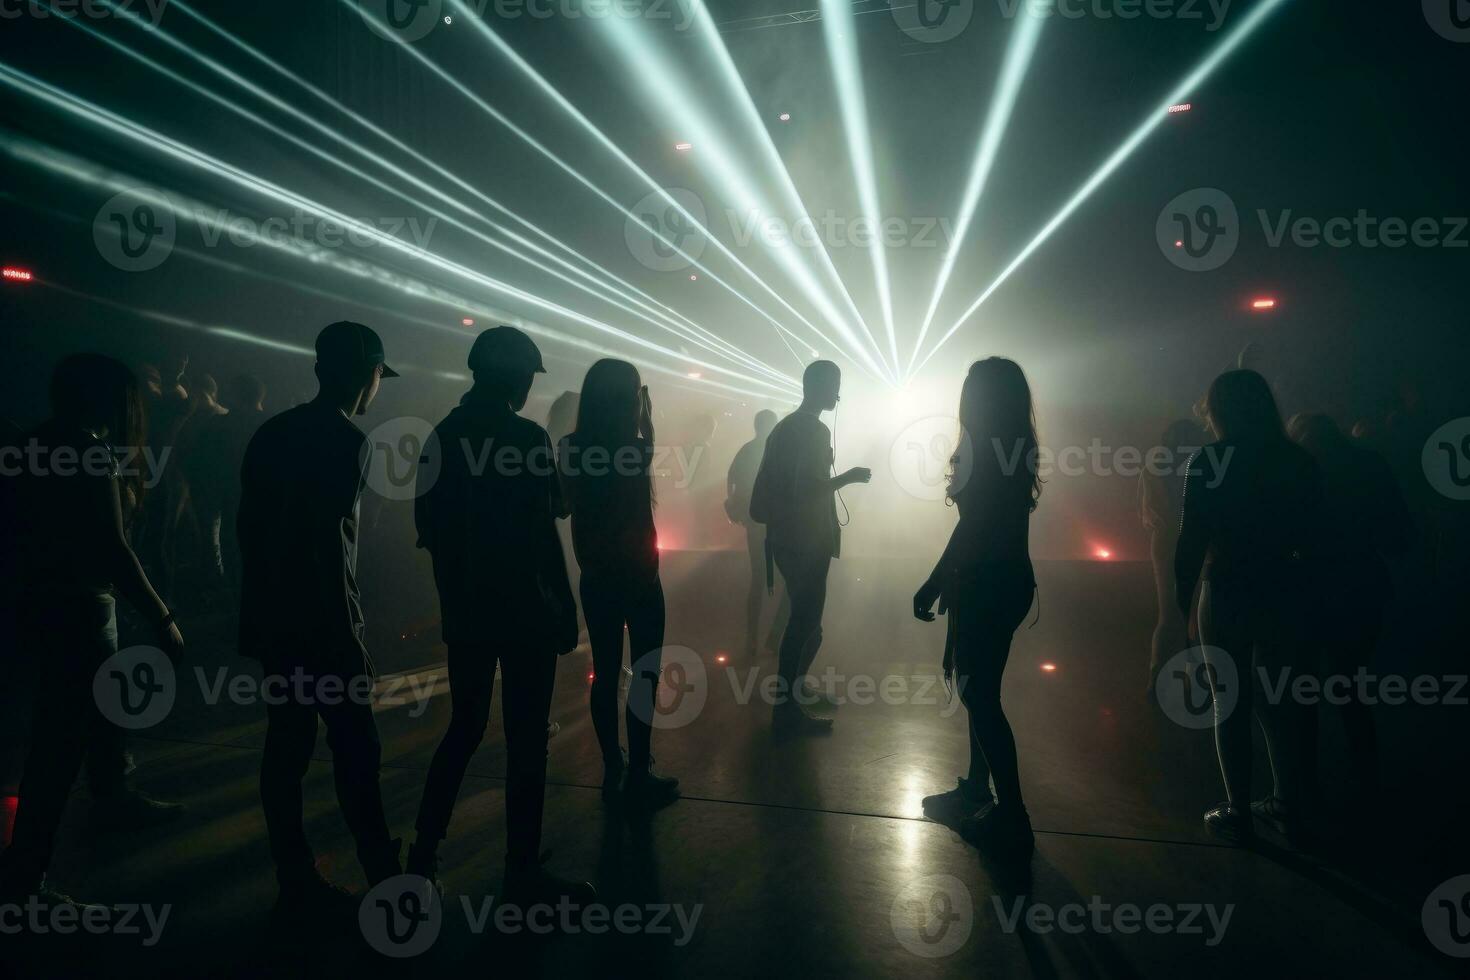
{"x": 505, "y": 362}
{"x": 765, "y": 421}
{"x": 1318, "y": 434}
{"x": 821, "y": 384}
{"x": 611, "y": 409}
{"x": 998, "y": 417}
{"x": 244, "y": 393}
{"x": 1241, "y": 408}
{"x": 350, "y": 364}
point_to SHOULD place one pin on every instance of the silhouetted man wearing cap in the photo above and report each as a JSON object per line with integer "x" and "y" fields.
{"x": 793, "y": 497}
{"x": 301, "y": 617}
{"x": 486, "y": 512}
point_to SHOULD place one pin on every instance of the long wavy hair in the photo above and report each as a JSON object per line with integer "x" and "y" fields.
{"x": 998, "y": 417}
{"x": 1241, "y": 408}
{"x": 614, "y": 411}
{"x": 95, "y": 392}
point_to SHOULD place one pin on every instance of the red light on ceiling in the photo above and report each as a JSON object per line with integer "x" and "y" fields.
{"x": 1265, "y": 303}
{"x": 1181, "y": 107}
{"x": 17, "y": 275}
{"x": 468, "y": 321}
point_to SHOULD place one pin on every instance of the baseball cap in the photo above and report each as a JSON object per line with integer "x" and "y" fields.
{"x": 505, "y": 347}
{"x": 349, "y": 345}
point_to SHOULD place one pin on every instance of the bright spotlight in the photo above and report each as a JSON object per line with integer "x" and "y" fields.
{"x": 1264, "y": 303}
{"x": 1049, "y": 667}
{"x": 1102, "y": 554}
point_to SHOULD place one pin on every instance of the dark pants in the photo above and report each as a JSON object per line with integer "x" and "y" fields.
{"x": 290, "y": 739}
{"x": 69, "y": 642}
{"x": 805, "y": 575}
{"x": 526, "y": 700}
{"x": 609, "y": 603}
{"x": 986, "y": 618}
{"x": 755, "y": 595}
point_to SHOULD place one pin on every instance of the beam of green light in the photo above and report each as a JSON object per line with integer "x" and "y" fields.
{"x": 711, "y": 338}
{"x": 571, "y": 110}
{"x": 1179, "y": 93}
{"x": 106, "y": 120}
{"x": 838, "y": 29}
{"x": 1019, "y": 53}
{"x": 670, "y": 88}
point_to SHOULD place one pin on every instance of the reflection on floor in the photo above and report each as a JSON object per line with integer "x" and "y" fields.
{"x": 791, "y": 858}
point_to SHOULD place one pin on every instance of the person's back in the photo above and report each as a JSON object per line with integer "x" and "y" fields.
{"x": 794, "y": 497}
{"x": 488, "y": 521}
{"x": 298, "y": 524}
{"x": 608, "y": 492}
{"x": 741, "y": 478}
{"x": 58, "y": 537}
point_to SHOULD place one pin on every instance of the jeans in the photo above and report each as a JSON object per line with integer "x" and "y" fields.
{"x": 805, "y": 575}
{"x": 69, "y": 640}
{"x": 609, "y": 603}
{"x": 526, "y": 700}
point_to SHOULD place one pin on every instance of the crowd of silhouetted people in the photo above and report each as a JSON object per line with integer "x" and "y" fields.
{"x": 1268, "y": 525}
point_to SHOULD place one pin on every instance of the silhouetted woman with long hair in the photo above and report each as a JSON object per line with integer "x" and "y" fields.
{"x": 1248, "y": 529}
{"x": 985, "y": 581}
{"x": 74, "y": 554}
{"x": 1160, "y": 497}
{"x": 606, "y": 470}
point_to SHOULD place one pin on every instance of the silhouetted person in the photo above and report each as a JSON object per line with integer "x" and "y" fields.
{"x": 217, "y": 456}
{"x": 739, "y": 482}
{"x": 301, "y": 616}
{"x": 1366, "y": 521}
{"x": 488, "y": 520}
{"x": 985, "y": 581}
{"x": 561, "y": 417}
{"x": 73, "y": 553}
{"x": 1160, "y": 496}
{"x": 607, "y": 481}
{"x": 793, "y": 497}
{"x": 1248, "y": 529}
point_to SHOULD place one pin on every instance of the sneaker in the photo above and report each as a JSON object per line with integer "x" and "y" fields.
{"x": 612, "y": 774}
{"x": 132, "y": 810}
{"x": 647, "y": 788}
{"x": 1001, "y": 829}
{"x": 966, "y": 799}
{"x": 1230, "y": 823}
{"x": 794, "y": 719}
{"x": 529, "y": 885}
{"x": 814, "y": 694}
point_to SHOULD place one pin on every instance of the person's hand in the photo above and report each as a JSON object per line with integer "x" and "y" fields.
{"x": 929, "y": 593}
{"x": 171, "y": 642}
{"x": 858, "y": 474}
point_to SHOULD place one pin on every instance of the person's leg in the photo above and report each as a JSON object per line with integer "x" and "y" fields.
{"x": 357, "y": 756}
{"x": 645, "y": 645}
{"x": 983, "y": 644}
{"x": 755, "y": 591}
{"x": 528, "y": 681}
{"x": 290, "y": 737}
{"x": 817, "y": 573}
{"x": 1224, "y": 634}
{"x": 604, "y": 606}
{"x": 471, "y": 688}
{"x": 807, "y": 598}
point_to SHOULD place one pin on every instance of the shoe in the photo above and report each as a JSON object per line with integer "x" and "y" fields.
{"x": 815, "y": 694}
{"x": 528, "y": 885}
{"x": 612, "y": 775}
{"x": 965, "y": 800}
{"x": 1230, "y": 823}
{"x": 381, "y": 862}
{"x": 794, "y": 719}
{"x": 423, "y": 860}
{"x": 1001, "y": 829}
{"x": 132, "y": 810}
{"x": 647, "y": 788}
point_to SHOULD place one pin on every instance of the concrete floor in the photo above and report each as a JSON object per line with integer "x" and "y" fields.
{"x": 807, "y": 858}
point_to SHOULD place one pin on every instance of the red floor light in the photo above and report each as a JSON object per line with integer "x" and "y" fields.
{"x": 15, "y": 274}
{"x": 1103, "y": 553}
{"x": 722, "y": 658}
